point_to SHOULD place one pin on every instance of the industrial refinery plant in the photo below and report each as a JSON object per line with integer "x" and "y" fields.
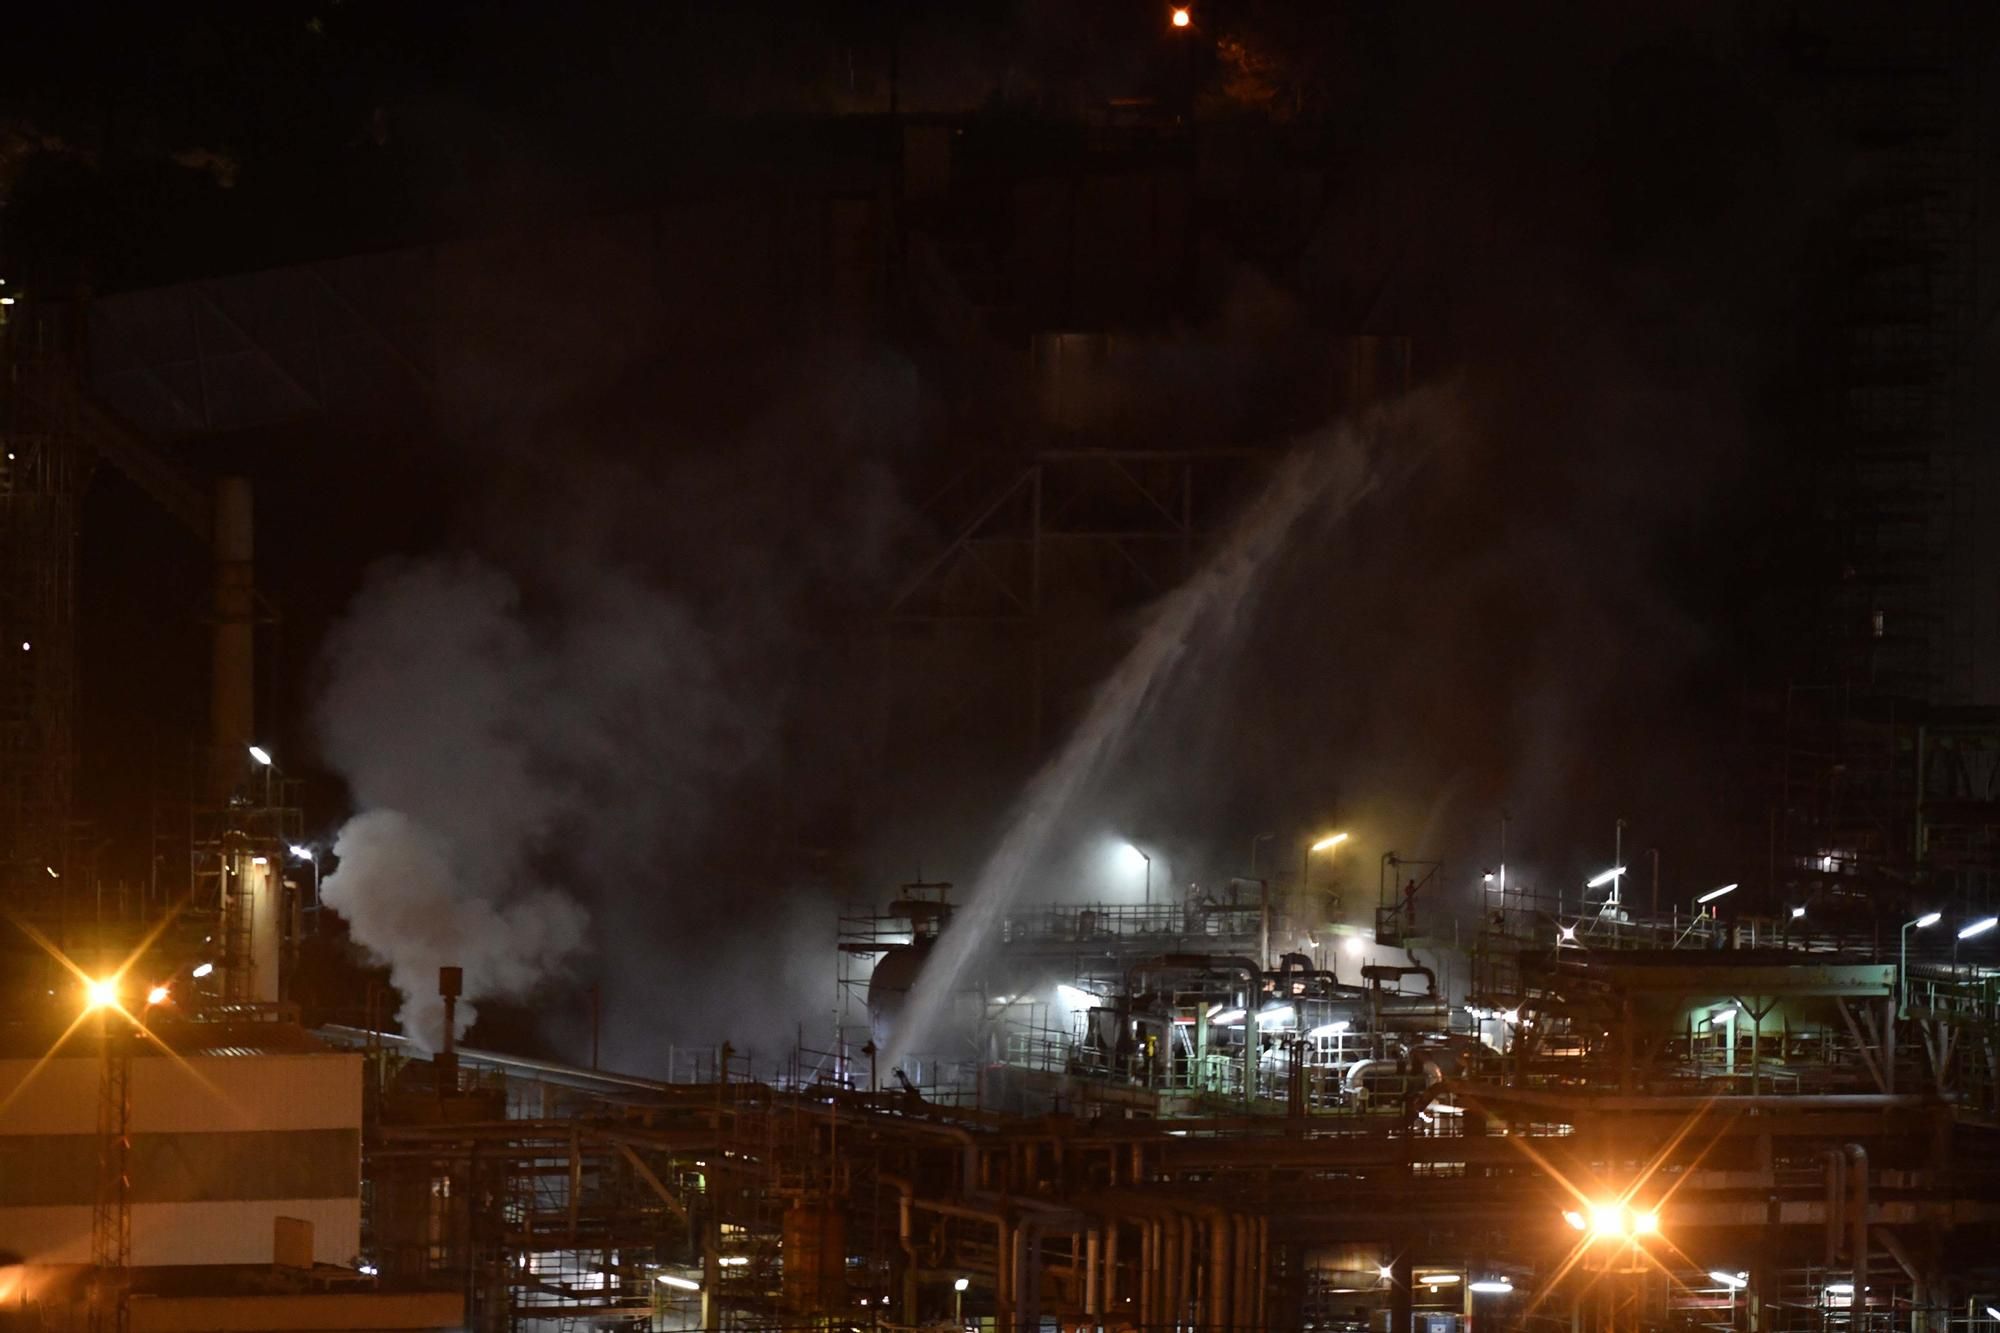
{"x": 1107, "y": 667}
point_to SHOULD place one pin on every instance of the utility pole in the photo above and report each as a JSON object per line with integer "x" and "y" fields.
{"x": 111, "y": 1217}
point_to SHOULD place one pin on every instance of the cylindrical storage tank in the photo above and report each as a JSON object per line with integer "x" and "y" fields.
{"x": 815, "y": 1261}
{"x": 1414, "y": 1013}
{"x": 889, "y": 987}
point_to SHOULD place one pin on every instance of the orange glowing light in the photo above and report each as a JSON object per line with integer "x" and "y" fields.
{"x": 157, "y": 995}
{"x": 100, "y": 992}
{"x": 1182, "y": 18}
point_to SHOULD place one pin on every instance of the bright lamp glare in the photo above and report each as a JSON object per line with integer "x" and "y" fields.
{"x": 1076, "y": 997}
{"x": 98, "y": 993}
{"x": 1575, "y": 1219}
{"x": 961, "y": 1284}
{"x": 1928, "y": 919}
{"x": 1646, "y": 1224}
{"x": 1330, "y": 840}
{"x": 1182, "y": 18}
{"x": 1798, "y": 912}
{"x": 1979, "y": 927}
{"x": 1492, "y": 1287}
{"x": 1607, "y": 1219}
{"x": 679, "y": 1283}
{"x": 1713, "y": 894}
{"x": 1733, "y": 1281}
{"x": 303, "y": 853}
{"x": 202, "y": 969}
{"x": 157, "y": 995}
{"x": 1601, "y": 880}
{"x": 261, "y": 755}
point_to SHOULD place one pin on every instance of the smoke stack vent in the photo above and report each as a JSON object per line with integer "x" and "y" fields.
{"x": 451, "y": 983}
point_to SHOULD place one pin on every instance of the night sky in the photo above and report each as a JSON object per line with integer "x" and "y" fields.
{"x": 611, "y": 606}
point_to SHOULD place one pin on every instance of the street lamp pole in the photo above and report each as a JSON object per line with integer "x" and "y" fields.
{"x": 310, "y": 855}
{"x": 1903, "y": 959}
{"x": 1331, "y": 840}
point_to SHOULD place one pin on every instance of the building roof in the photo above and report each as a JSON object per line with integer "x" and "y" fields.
{"x": 186, "y": 1038}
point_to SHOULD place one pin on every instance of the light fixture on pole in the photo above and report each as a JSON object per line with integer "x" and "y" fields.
{"x": 1924, "y": 922}
{"x": 302, "y": 853}
{"x": 1326, "y": 844}
{"x": 1149, "y": 869}
{"x": 1254, "y": 843}
{"x": 1979, "y": 927}
{"x": 1701, "y": 904}
{"x": 263, "y": 758}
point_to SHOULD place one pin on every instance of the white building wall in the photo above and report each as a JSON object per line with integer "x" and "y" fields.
{"x": 309, "y": 1105}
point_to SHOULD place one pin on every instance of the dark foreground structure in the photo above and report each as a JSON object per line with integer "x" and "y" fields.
{"x": 1631, "y": 1123}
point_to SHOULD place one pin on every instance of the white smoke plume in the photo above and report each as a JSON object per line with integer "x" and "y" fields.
{"x": 495, "y": 757}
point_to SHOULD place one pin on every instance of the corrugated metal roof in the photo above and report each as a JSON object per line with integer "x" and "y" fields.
{"x": 189, "y": 1039}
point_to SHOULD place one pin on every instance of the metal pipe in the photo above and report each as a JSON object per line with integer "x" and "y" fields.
{"x": 1239, "y": 1281}
{"x": 1834, "y": 1164}
{"x": 1111, "y": 1268}
{"x": 1093, "y": 1242}
{"x": 1027, "y": 1278}
{"x": 1857, "y": 1221}
{"x": 905, "y": 1239}
{"x": 1184, "y": 1307}
{"x": 1218, "y": 1269}
{"x": 1263, "y": 1271}
{"x": 1148, "y": 1274}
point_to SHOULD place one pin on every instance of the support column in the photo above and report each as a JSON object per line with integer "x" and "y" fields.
{"x": 1092, "y": 1247}
{"x": 1218, "y": 1271}
{"x": 1111, "y": 1308}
